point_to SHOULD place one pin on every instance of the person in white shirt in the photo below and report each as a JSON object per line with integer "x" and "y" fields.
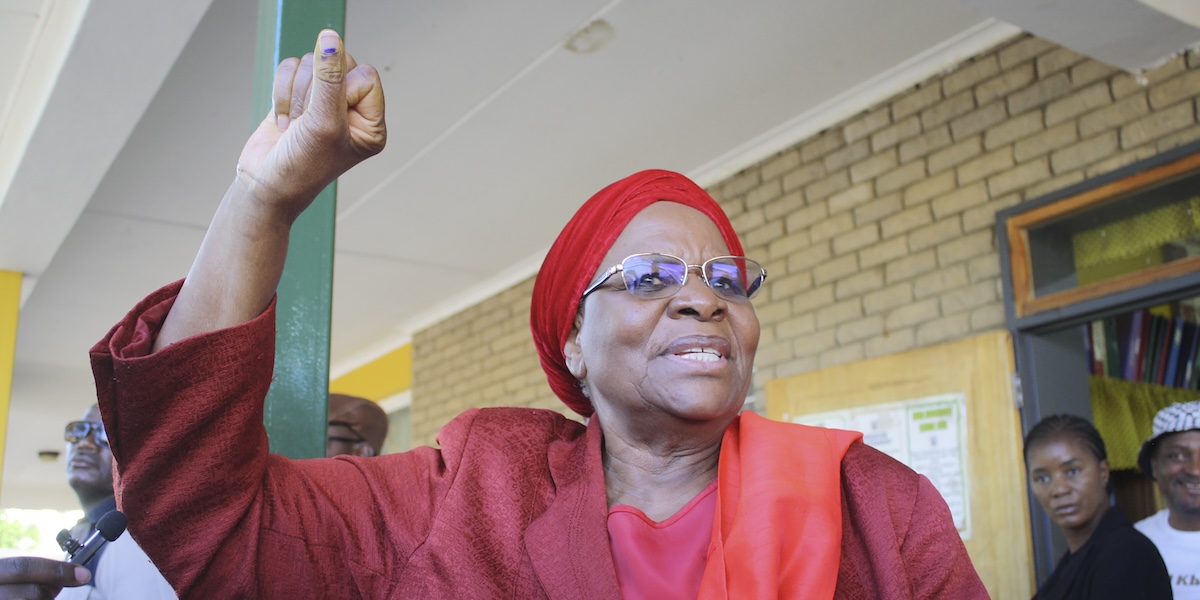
{"x": 1171, "y": 457}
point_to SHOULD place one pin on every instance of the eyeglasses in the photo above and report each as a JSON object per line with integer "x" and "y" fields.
{"x": 654, "y": 275}
{"x": 78, "y": 430}
{"x": 342, "y": 439}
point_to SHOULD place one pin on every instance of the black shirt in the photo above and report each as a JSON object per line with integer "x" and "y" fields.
{"x": 1117, "y": 562}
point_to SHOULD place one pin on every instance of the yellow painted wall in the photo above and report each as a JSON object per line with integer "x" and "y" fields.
{"x": 381, "y": 378}
{"x": 10, "y": 303}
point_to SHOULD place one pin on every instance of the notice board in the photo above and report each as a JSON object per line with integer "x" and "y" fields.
{"x": 949, "y": 412}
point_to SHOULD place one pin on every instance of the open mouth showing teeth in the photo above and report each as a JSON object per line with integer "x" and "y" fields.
{"x": 700, "y": 354}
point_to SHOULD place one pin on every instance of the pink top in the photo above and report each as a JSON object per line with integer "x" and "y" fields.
{"x": 662, "y": 560}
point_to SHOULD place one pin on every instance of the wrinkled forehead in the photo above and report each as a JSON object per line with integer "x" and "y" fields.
{"x": 669, "y": 228}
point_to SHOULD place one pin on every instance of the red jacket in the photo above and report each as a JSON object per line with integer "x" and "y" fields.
{"x": 512, "y": 505}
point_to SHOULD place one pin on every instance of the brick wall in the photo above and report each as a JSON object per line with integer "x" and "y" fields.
{"x": 877, "y": 233}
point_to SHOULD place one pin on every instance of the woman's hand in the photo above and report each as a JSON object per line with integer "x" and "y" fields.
{"x": 327, "y": 116}
{"x": 28, "y": 577}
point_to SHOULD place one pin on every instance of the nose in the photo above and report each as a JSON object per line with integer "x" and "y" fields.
{"x": 697, "y": 300}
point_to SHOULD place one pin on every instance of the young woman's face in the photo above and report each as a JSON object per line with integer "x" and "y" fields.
{"x": 1068, "y": 481}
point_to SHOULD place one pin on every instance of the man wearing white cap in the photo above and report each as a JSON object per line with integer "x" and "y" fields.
{"x": 1171, "y": 457}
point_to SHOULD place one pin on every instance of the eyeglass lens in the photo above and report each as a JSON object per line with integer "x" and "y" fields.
{"x": 661, "y": 275}
{"x": 77, "y": 430}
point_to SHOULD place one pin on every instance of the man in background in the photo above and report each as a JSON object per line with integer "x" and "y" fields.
{"x": 357, "y": 426}
{"x": 120, "y": 570}
{"x": 1171, "y": 457}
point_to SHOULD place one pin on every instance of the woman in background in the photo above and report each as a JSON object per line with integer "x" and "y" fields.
{"x": 1106, "y": 557}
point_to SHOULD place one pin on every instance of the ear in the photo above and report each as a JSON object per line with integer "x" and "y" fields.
{"x": 1104, "y": 471}
{"x": 573, "y": 352}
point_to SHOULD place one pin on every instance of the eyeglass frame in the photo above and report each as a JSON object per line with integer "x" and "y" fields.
{"x": 90, "y": 428}
{"x": 344, "y": 440}
{"x": 687, "y": 268}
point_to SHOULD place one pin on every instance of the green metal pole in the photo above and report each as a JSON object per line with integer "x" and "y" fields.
{"x": 296, "y": 404}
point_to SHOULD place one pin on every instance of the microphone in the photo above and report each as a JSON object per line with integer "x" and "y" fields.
{"x": 108, "y": 528}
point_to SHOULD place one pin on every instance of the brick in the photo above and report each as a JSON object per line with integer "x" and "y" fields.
{"x": 930, "y": 187}
{"x": 887, "y": 298}
{"x": 854, "y": 240}
{"x": 892, "y": 343}
{"x": 1083, "y": 101}
{"x": 775, "y": 353}
{"x": 913, "y": 102}
{"x": 764, "y": 193}
{"x": 954, "y": 155}
{"x": 857, "y": 331}
{"x": 764, "y": 235}
{"x": 1179, "y": 138}
{"x": 988, "y": 164}
{"x": 978, "y": 121}
{"x": 1043, "y": 143}
{"x": 741, "y": 183}
{"x": 842, "y": 356}
{"x": 959, "y": 200}
{"x": 944, "y": 111}
{"x": 1012, "y": 130}
{"x": 924, "y": 144}
{"x": 966, "y": 76}
{"x": 877, "y": 209}
{"x": 839, "y": 312}
{"x": 805, "y": 217}
{"x": 1113, "y": 116}
{"x": 815, "y": 343}
{"x": 789, "y": 285}
{"x": 832, "y": 227}
{"x": 858, "y": 284}
{"x": 897, "y": 179}
{"x": 802, "y": 176}
{"x": 986, "y": 318}
{"x": 938, "y": 282}
{"x": 774, "y": 311}
{"x": 1059, "y": 182}
{"x": 867, "y": 124}
{"x": 822, "y": 189}
{"x": 782, "y": 163}
{"x": 1039, "y": 93}
{"x": 890, "y": 136}
{"x": 906, "y": 221}
{"x": 1165, "y": 71}
{"x": 1158, "y": 124}
{"x": 796, "y": 367}
{"x": 1123, "y": 84}
{"x": 748, "y": 220}
{"x": 910, "y": 266}
{"x": 985, "y": 216}
{"x": 1023, "y": 50}
{"x": 913, "y": 314}
{"x": 788, "y": 245}
{"x": 1056, "y": 60}
{"x": 932, "y": 235}
{"x": 850, "y": 198}
{"x": 1090, "y": 71}
{"x": 1115, "y": 162}
{"x": 835, "y": 269}
{"x": 966, "y": 247}
{"x": 1022, "y": 176}
{"x": 847, "y": 156}
{"x": 943, "y": 329}
{"x": 869, "y": 168}
{"x": 813, "y": 299}
{"x": 1085, "y": 152}
{"x": 883, "y": 252}
{"x": 809, "y": 258}
{"x": 986, "y": 267}
{"x": 1007, "y": 83}
{"x": 796, "y": 326}
{"x": 782, "y": 206}
{"x": 826, "y": 142}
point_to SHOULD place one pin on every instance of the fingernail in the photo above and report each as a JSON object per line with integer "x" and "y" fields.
{"x": 82, "y": 575}
{"x": 329, "y": 42}
{"x": 281, "y": 121}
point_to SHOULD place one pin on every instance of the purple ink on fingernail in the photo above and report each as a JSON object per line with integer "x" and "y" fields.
{"x": 329, "y": 51}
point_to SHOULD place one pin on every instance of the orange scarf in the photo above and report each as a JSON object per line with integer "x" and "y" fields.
{"x": 785, "y": 540}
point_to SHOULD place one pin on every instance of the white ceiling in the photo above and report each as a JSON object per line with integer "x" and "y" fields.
{"x": 120, "y": 127}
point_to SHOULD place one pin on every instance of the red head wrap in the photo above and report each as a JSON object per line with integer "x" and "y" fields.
{"x": 576, "y": 254}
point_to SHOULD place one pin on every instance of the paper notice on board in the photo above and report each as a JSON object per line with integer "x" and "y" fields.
{"x": 927, "y": 434}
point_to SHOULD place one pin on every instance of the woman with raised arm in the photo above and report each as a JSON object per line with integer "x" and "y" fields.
{"x": 643, "y": 321}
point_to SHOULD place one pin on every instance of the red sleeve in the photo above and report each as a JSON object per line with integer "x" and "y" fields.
{"x": 218, "y": 515}
{"x": 898, "y": 537}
